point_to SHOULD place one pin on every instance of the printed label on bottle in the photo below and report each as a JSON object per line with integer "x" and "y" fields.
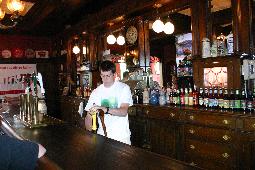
{"x": 237, "y": 104}
{"x": 201, "y": 101}
{"x": 243, "y": 104}
{"x": 190, "y": 101}
{"x": 221, "y": 103}
{"x": 226, "y": 104}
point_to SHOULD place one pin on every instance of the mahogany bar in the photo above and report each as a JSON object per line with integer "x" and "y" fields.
{"x": 73, "y": 148}
{"x": 190, "y": 65}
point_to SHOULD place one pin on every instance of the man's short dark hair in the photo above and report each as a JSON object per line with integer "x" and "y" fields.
{"x": 108, "y": 66}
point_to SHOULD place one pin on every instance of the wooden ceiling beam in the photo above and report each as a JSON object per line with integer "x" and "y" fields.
{"x": 118, "y": 8}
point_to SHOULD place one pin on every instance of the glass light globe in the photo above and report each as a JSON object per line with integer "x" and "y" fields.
{"x": 169, "y": 28}
{"x": 2, "y": 14}
{"x": 84, "y": 50}
{"x": 111, "y": 39}
{"x": 158, "y": 26}
{"x": 120, "y": 40}
{"x": 76, "y": 49}
{"x": 15, "y": 5}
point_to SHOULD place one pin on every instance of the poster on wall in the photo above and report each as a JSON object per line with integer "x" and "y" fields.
{"x": 12, "y": 76}
{"x": 183, "y": 46}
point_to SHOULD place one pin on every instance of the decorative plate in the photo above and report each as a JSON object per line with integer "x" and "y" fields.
{"x": 131, "y": 35}
{"x": 17, "y": 53}
{"x": 29, "y": 53}
{"x": 6, "y": 54}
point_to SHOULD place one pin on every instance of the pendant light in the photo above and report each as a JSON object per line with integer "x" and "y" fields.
{"x": 111, "y": 39}
{"x": 76, "y": 49}
{"x": 168, "y": 27}
{"x": 120, "y": 40}
{"x": 158, "y": 26}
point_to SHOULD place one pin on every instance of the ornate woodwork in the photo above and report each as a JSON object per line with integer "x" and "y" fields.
{"x": 210, "y": 139}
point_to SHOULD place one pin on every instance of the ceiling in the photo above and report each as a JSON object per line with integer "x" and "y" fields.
{"x": 50, "y": 17}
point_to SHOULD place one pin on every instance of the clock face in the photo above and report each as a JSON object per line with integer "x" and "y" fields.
{"x": 131, "y": 35}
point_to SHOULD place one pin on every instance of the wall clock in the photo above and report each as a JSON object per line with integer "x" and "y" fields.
{"x": 131, "y": 35}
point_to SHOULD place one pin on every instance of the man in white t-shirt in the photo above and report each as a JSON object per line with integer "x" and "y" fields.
{"x": 113, "y": 98}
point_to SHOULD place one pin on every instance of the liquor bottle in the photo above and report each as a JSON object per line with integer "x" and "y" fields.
{"x": 226, "y": 99}
{"x": 186, "y": 97}
{"x": 232, "y": 100}
{"x": 243, "y": 104}
{"x": 182, "y": 97}
{"x": 168, "y": 90}
{"x": 250, "y": 106}
{"x": 220, "y": 99}
{"x": 253, "y": 98}
{"x": 174, "y": 97}
{"x": 195, "y": 96}
{"x": 146, "y": 96}
{"x": 178, "y": 100}
{"x": 190, "y": 97}
{"x": 206, "y": 99}
{"x": 237, "y": 100}
{"x": 215, "y": 98}
{"x": 201, "y": 97}
{"x": 171, "y": 100}
{"x": 210, "y": 98}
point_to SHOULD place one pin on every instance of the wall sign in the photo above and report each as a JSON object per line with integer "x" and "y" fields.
{"x": 12, "y": 78}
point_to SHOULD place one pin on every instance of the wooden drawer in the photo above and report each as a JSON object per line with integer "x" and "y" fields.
{"x": 248, "y": 124}
{"x": 218, "y": 152}
{"x": 205, "y": 163}
{"x": 209, "y": 134}
{"x": 162, "y": 113}
{"x": 227, "y": 121}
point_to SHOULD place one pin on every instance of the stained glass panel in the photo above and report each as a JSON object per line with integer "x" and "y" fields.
{"x": 216, "y": 77}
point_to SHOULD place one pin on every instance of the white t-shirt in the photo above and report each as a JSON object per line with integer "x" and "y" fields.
{"x": 117, "y": 127}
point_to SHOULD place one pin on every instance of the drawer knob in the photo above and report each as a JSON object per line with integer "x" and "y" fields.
{"x": 191, "y": 131}
{"x": 193, "y": 164}
{"x": 226, "y": 137}
{"x": 192, "y": 147}
{"x": 226, "y": 122}
{"x": 172, "y": 114}
{"x": 253, "y": 125}
{"x": 225, "y": 155}
{"x": 191, "y": 117}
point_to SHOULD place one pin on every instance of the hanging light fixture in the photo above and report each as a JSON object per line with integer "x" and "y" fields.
{"x": 111, "y": 39}
{"x": 158, "y": 26}
{"x": 76, "y": 49}
{"x": 168, "y": 27}
{"x": 16, "y": 8}
{"x": 84, "y": 50}
{"x": 120, "y": 40}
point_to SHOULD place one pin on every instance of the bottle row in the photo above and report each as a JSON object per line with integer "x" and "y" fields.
{"x": 218, "y": 98}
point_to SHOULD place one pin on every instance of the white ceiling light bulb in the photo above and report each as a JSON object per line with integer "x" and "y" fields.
{"x": 169, "y": 27}
{"x": 84, "y": 50}
{"x": 111, "y": 39}
{"x": 158, "y": 26}
{"x": 76, "y": 49}
{"x": 120, "y": 40}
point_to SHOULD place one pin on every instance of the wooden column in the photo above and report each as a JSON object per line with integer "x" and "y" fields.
{"x": 242, "y": 25}
{"x": 143, "y": 44}
{"x": 146, "y": 44}
{"x": 200, "y": 13}
{"x": 141, "y": 53}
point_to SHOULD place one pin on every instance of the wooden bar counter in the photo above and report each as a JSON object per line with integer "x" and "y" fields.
{"x": 73, "y": 148}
